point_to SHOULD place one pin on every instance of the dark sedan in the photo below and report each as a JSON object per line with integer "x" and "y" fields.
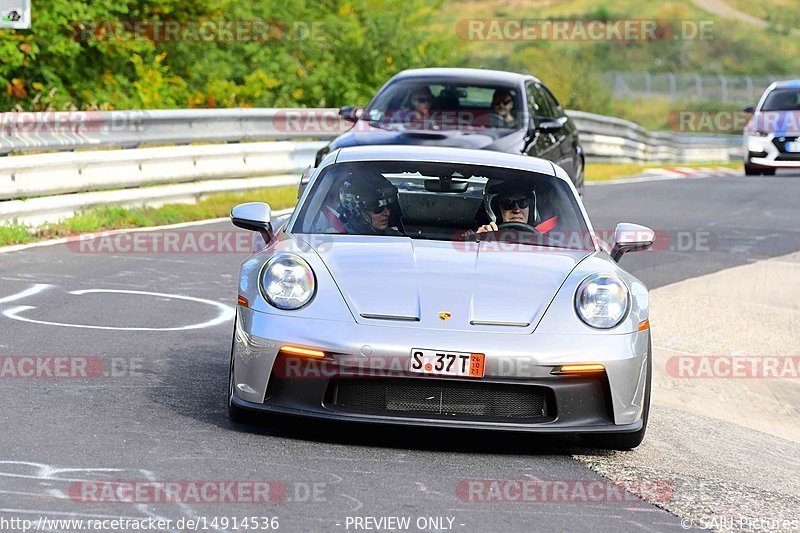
{"x": 467, "y": 108}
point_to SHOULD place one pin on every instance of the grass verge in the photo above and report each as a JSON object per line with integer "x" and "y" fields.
{"x": 114, "y": 217}
{"x": 612, "y": 171}
{"x": 219, "y": 205}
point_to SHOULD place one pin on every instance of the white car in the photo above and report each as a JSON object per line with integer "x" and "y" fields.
{"x": 772, "y": 137}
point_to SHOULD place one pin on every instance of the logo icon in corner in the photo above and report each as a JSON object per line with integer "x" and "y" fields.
{"x": 15, "y": 14}
{"x": 444, "y": 315}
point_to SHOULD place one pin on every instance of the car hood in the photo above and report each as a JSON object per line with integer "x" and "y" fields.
{"x": 365, "y": 134}
{"x": 397, "y": 281}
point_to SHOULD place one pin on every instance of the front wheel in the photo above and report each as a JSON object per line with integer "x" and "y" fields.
{"x": 750, "y": 170}
{"x": 235, "y": 413}
{"x": 580, "y": 180}
{"x": 629, "y": 441}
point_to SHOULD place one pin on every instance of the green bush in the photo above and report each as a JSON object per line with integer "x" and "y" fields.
{"x": 319, "y": 53}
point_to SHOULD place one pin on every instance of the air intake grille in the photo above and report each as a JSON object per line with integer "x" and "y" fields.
{"x": 439, "y": 397}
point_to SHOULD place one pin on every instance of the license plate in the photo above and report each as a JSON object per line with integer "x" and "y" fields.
{"x": 443, "y": 363}
{"x": 793, "y": 147}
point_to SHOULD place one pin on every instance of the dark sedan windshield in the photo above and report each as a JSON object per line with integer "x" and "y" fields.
{"x": 414, "y": 104}
{"x": 443, "y": 201}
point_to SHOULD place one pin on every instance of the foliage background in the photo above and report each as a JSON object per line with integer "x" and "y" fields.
{"x": 325, "y": 52}
{"x": 339, "y": 52}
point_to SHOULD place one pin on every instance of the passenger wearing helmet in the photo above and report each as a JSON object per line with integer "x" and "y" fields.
{"x": 366, "y": 205}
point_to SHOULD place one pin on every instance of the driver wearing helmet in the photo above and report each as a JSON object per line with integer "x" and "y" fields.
{"x": 366, "y": 205}
{"x": 507, "y": 203}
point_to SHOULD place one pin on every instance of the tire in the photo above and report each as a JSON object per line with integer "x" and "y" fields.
{"x": 629, "y": 441}
{"x": 235, "y": 413}
{"x": 750, "y": 170}
{"x": 580, "y": 179}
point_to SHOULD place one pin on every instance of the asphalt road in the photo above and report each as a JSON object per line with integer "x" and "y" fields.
{"x": 165, "y": 419}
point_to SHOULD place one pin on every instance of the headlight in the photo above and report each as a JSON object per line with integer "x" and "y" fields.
{"x": 602, "y": 301}
{"x": 756, "y": 144}
{"x": 287, "y": 282}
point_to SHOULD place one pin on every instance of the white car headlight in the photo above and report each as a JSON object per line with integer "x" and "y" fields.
{"x": 756, "y": 144}
{"x": 287, "y": 282}
{"x": 602, "y": 301}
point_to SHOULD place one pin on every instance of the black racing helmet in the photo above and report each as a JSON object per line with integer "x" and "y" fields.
{"x": 497, "y": 188}
{"x": 359, "y": 195}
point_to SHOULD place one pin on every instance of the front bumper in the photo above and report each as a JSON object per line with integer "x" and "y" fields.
{"x": 604, "y": 402}
{"x": 770, "y": 151}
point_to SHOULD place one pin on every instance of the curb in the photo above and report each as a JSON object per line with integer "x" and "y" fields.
{"x": 671, "y": 173}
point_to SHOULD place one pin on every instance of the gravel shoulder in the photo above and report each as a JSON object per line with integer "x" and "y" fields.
{"x": 728, "y": 447}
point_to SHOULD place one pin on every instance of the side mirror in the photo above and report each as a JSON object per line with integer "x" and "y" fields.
{"x": 304, "y": 181}
{"x": 749, "y": 109}
{"x": 551, "y": 125}
{"x": 631, "y": 238}
{"x": 351, "y": 113}
{"x": 253, "y": 216}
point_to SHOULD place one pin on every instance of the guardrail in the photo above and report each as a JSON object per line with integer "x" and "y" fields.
{"x": 80, "y": 130}
{"x": 602, "y": 137}
{"x": 103, "y": 158}
{"x": 47, "y": 187}
{"x": 616, "y": 140}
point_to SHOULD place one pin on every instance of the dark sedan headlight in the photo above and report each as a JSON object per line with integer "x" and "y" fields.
{"x": 287, "y": 282}
{"x": 602, "y": 301}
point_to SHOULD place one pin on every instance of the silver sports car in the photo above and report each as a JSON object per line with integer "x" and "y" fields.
{"x": 442, "y": 287}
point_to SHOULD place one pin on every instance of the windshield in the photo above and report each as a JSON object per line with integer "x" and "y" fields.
{"x": 782, "y": 100}
{"x": 443, "y": 201}
{"x": 414, "y": 104}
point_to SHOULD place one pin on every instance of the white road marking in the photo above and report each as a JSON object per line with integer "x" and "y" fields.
{"x": 186, "y": 508}
{"x": 34, "y": 494}
{"x": 36, "y": 289}
{"x": 47, "y": 472}
{"x": 226, "y": 313}
{"x": 358, "y": 502}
